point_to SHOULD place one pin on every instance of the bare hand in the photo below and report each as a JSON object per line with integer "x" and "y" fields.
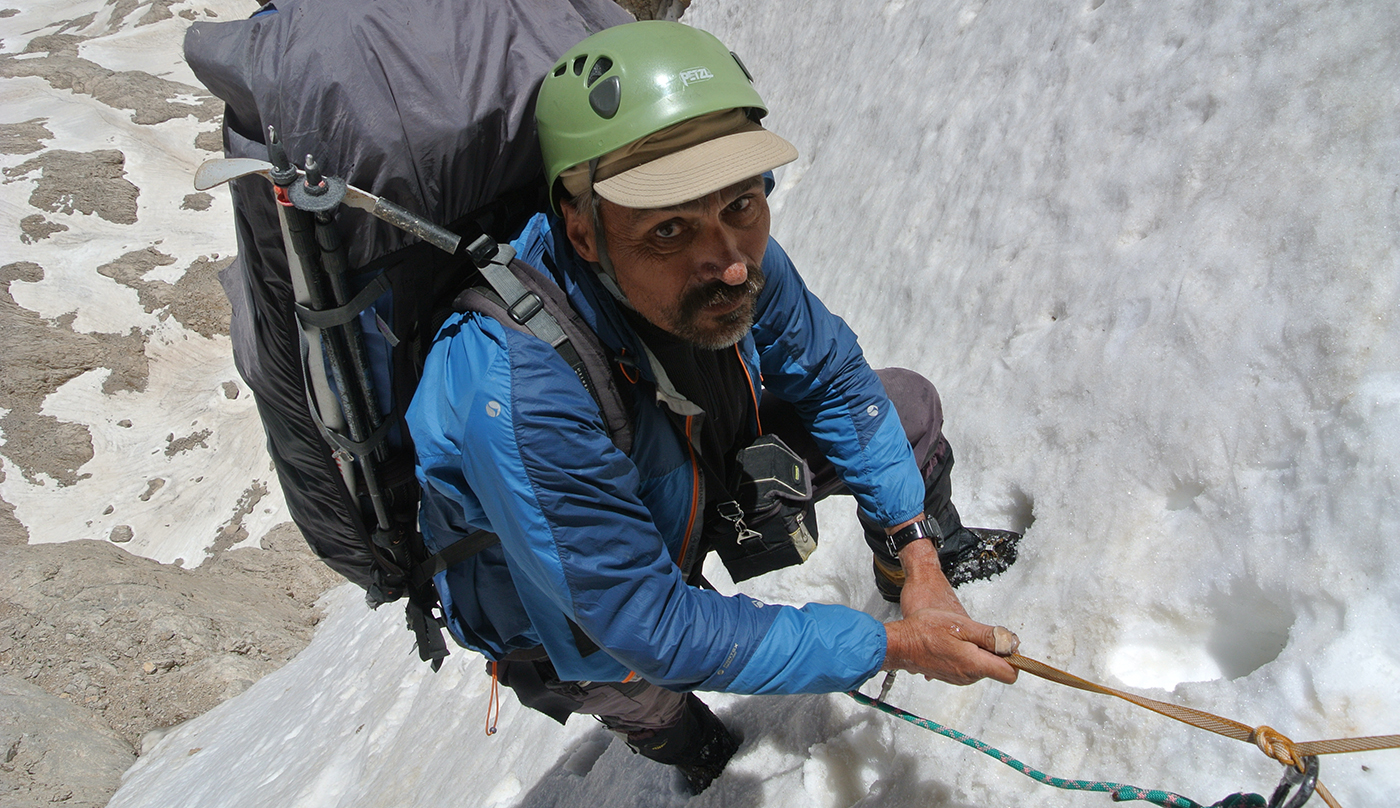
{"x": 937, "y": 638}
{"x": 946, "y": 646}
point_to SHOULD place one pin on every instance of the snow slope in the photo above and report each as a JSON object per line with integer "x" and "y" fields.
{"x": 171, "y": 449}
{"x": 1148, "y": 252}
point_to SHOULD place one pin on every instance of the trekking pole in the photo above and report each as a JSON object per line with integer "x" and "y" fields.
{"x": 300, "y": 203}
{"x": 322, "y": 196}
{"x": 300, "y": 235}
{"x": 282, "y": 175}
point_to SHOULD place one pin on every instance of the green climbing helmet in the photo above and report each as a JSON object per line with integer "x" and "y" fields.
{"x": 630, "y": 81}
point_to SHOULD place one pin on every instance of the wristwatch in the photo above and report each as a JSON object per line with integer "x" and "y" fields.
{"x": 922, "y": 529}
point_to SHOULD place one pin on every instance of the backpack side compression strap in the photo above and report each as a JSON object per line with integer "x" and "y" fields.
{"x": 454, "y": 553}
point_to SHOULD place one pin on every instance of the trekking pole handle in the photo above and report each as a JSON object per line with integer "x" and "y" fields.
{"x": 438, "y": 236}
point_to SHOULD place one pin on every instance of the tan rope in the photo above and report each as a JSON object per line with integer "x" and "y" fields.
{"x": 1269, "y": 740}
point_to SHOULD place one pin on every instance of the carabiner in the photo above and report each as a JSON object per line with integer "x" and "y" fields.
{"x": 1305, "y": 780}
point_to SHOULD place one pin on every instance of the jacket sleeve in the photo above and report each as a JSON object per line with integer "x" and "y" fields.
{"x": 811, "y": 358}
{"x": 507, "y": 418}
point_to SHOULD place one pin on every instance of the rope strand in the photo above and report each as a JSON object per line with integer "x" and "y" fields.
{"x": 1269, "y": 740}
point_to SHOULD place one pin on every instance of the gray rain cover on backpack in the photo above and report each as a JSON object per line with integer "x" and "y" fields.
{"x": 427, "y": 103}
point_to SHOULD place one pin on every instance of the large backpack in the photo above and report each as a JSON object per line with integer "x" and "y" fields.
{"x": 429, "y": 105}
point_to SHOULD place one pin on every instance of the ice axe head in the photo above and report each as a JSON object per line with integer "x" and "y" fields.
{"x": 212, "y": 173}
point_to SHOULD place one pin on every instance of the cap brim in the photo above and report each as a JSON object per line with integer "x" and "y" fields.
{"x": 699, "y": 170}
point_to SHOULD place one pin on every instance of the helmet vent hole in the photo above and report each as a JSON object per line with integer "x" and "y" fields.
{"x": 742, "y": 66}
{"x": 603, "y": 65}
{"x": 578, "y": 64}
{"x": 560, "y": 70}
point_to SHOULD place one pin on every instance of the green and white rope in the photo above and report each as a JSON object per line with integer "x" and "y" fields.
{"x": 1119, "y": 791}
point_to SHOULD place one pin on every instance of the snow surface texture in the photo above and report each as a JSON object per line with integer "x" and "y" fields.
{"x": 176, "y": 458}
{"x": 1148, "y": 252}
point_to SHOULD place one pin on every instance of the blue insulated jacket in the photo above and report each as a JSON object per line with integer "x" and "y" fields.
{"x": 591, "y": 540}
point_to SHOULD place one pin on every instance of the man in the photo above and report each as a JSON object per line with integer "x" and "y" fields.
{"x": 593, "y": 601}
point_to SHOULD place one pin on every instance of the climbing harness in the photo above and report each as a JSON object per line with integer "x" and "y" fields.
{"x": 1299, "y": 759}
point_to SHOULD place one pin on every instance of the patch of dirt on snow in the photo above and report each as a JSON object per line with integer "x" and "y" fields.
{"x": 196, "y": 300}
{"x": 151, "y": 99}
{"x": 81, "y": 182}
{"x": 40, "y": 356}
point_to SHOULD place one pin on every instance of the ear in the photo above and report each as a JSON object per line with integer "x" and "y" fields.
{"x": 579, "y": 229}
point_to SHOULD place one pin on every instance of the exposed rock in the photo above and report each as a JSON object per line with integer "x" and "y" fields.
{"x": 40, "y": 357}
{"x": 54, "y": 751}
{"x": 196, "y": 300}
{"x": 199, "y": 303}
{"x": 82, "y": 182}
{"x": 12, "y": 530}
{"x": 23, "y": 138}
{"x": 37, "y": 228}
{"x": 209, "y": 141}
{"x": 655, "y": 9}
{"x": 42, "y": 444}
{"x": 144, "y": 645}
{"x": 151, "y": 99}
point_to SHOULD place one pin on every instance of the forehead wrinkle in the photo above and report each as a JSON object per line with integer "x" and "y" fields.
{"x": 695, "y": 205}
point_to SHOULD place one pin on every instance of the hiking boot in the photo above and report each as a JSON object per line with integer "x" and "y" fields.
{"x": 889, "y": 581}
{"x": 969, "y": 554}
{"x": 698, "y": 746}
{"x": 977, "y": 553}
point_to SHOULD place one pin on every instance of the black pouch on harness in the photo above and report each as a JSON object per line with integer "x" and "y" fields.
{"x": 772, "y": 514}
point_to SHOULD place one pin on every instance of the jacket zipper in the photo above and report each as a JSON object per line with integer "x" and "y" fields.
{"x": 753, "y": 393}
{"x": 694, "y": 491}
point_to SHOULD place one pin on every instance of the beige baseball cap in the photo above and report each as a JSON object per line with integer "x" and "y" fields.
{"x": 684, "y": 162}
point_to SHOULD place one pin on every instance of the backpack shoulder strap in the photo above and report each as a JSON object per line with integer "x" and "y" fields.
{"x": 524, "y": 299}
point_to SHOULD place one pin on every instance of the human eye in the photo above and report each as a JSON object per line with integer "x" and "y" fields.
{"x": 741, "y": 204}
{"x": 667, "y": 230}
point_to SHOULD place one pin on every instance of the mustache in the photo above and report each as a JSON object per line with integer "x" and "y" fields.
{"x": 717, "y": 292}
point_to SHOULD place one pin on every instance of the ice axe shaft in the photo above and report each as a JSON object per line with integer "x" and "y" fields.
{"x": 218, "y": 171}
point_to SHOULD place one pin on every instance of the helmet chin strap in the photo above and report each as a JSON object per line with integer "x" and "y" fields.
{"x": 606, "y": 274}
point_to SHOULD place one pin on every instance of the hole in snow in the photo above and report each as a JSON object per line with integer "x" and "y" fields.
{"x": 1022, "y": 510}
{"x": 1183, "y": 493}
{"x": 1252, "y": 632}
{"x": 1238, "y": 632}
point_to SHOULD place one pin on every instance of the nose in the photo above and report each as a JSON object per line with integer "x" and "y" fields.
{"x": 723, "y": 259}
{"x": 735, "y": 274}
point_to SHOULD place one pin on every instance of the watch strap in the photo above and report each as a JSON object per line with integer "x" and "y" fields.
{"x": 912, "y": 532}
